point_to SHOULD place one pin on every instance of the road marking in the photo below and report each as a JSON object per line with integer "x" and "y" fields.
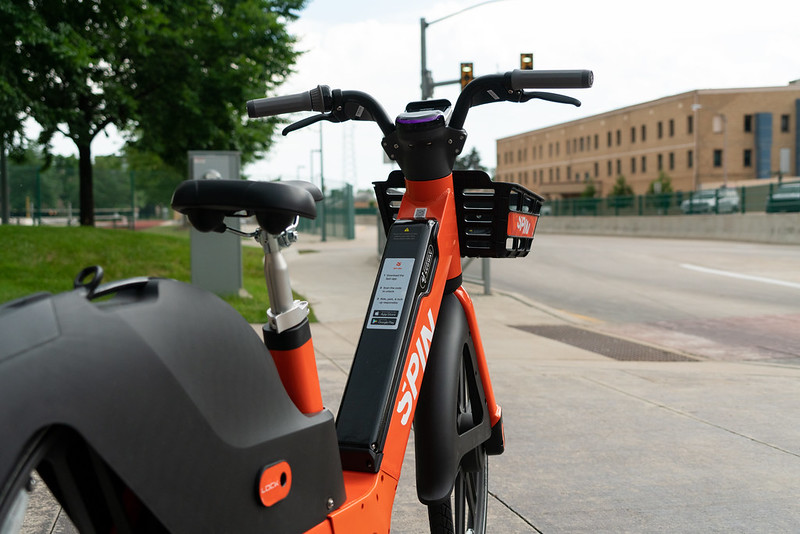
{"x": 740, "y": 276}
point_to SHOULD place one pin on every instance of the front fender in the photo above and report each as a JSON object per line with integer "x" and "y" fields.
{"x": 439, "y": 442}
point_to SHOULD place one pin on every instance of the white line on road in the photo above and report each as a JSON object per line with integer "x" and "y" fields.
{"x": 741, "y": 276}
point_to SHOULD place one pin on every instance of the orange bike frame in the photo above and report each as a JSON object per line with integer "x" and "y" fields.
{"x": 370, "y": 496}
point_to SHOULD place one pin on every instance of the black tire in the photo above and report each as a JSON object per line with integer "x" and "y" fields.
{"x": 464, "y": 512}
{"x": 93, "y": 497}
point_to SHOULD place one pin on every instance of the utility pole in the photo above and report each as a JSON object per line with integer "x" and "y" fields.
{"x": 4, "y": 188}
{"x": 426, "y": 76}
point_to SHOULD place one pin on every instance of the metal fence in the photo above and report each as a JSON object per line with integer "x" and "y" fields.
{"x": 335, "y": 215}
{"x": 719, "y": 201}
{"x": 51, "y": 196}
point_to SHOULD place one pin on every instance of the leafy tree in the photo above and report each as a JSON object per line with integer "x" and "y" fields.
{"x": 590, "y": 191}
{"x": 174, "y": 75}
{"x": 199, "y": 63}
{"x": 69, "y": 58}
{"x": 621, "y": 188}
{"x": 665, "y": 184}
{"x": 472, "y": 160}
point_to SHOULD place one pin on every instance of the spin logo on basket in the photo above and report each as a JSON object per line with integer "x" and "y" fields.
{"x": 521, "y": 224}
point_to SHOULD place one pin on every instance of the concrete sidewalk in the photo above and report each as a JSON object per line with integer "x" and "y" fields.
{"x": 593, "y": 444}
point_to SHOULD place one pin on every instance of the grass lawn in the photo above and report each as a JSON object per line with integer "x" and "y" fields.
{"x": 48, "y": 259}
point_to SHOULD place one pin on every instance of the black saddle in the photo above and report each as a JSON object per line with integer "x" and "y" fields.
{"x": 274, "y": 204}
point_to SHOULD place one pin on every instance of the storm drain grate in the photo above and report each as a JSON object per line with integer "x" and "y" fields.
{"x": 612, "y": 347}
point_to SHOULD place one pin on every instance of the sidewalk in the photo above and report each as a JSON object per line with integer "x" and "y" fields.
{"x": 593, "y": 444}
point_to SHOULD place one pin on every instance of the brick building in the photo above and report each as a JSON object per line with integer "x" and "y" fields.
{"x": 701, "y": 139}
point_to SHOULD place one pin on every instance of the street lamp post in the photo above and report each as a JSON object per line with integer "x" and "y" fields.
{"x": 428, "y": 84}
{"x": 321, "y": 205}
{"x": 696, "y": 107}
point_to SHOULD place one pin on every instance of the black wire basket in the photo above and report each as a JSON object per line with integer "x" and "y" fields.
{"x": 495, "y": 219}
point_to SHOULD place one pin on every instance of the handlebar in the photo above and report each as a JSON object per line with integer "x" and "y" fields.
{"x": 551, "y": 79}
{"x": 510, "y": 87}
{"x": 313, "y": 100}
{"x": 339, "y": 106}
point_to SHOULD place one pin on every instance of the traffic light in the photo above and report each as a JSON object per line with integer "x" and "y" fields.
{"x": 466, "y": 74}
{"x": 526, "y": 61}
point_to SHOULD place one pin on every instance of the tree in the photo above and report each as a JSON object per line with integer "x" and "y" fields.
{"x": 171, "y": 74}
{"x": 469, "y": 161}
{"x": 199, "y": 64}
{"x": 70, "y": 62}
{"x": 664, "y": 184}
{"x": 13, "y": 100}
{"x": 621, "y": 188}
{"x": 590, "y": 191}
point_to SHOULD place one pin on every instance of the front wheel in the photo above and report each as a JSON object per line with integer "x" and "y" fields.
{"x": 464, "y": 512}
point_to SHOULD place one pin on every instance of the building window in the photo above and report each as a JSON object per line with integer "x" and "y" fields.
{"x": 672, "y": 127}
{"x": 596, "y": 141}
{"x": 550, "y": 150}
{"x": 660, "y": 129}
{"x": 785, "y": 123}
{"x": 609, "y": 138}
{"x": 644, "y": 164}
{"x": 690, "y": 159}
{"x": 619, "y": 137}
{"x": 596, "y": 170}
{"x": 748, "y": 157}
{"x": 569, "y": 173}
{"x": 633, "y": 134}
{"x": 619, "y": 166}
{"x": 690, "y": 124}
{"x": 748, "y": 123}
{"x": 671, "y": 161}
{"x": 633, "y": 165}
{"x": 644, "y": 133}
{"x": 608, "y": 169}
{"x": 717, "y": 157}
{"x": 660, "y": 161}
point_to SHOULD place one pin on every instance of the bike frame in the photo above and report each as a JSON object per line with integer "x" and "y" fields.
{"x": 420, "y": 265}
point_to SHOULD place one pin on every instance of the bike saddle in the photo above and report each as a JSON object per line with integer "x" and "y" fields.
{"x": 274, "y": 204}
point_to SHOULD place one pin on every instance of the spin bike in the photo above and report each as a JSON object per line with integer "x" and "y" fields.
{"x": 149, "y": 405}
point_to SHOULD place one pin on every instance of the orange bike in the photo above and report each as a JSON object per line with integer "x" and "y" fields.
{"x": 148, "y": 405}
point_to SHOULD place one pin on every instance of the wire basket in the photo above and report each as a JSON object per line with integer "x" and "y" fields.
{"x": 495, "y": 219}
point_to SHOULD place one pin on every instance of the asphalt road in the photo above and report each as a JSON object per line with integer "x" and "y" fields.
{"x": 718, "y": 300}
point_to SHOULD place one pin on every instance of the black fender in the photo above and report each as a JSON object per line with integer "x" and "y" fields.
{"x": 176, "y": 394}
{"x": 440, "y": 444}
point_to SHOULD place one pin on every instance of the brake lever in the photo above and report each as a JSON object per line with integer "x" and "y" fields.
{"x": 308, "y": 121}
{"x": 550, "y": 97}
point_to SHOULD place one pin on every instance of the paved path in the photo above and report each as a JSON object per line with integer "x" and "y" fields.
{"x": 594, "y": 444}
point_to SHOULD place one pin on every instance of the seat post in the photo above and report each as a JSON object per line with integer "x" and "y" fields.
{"x": 284, "y": 312}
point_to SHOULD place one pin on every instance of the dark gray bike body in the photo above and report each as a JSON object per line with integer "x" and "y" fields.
{"x": 175, "y": 393}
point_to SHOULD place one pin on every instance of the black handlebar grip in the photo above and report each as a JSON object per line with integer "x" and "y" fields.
{"x": 278, "y": 105}
{"x": 551, "y": 79}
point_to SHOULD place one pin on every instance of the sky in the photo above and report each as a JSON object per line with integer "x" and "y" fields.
{"x": 639, "y": 51}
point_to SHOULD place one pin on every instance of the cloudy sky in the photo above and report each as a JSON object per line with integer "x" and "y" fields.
{"x": 639, "y": 51}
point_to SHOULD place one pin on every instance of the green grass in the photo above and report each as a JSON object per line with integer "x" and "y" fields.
{"x": 48, "y": 259}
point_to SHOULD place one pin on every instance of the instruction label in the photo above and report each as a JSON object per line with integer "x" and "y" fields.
{"x": 390, "y": 295}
